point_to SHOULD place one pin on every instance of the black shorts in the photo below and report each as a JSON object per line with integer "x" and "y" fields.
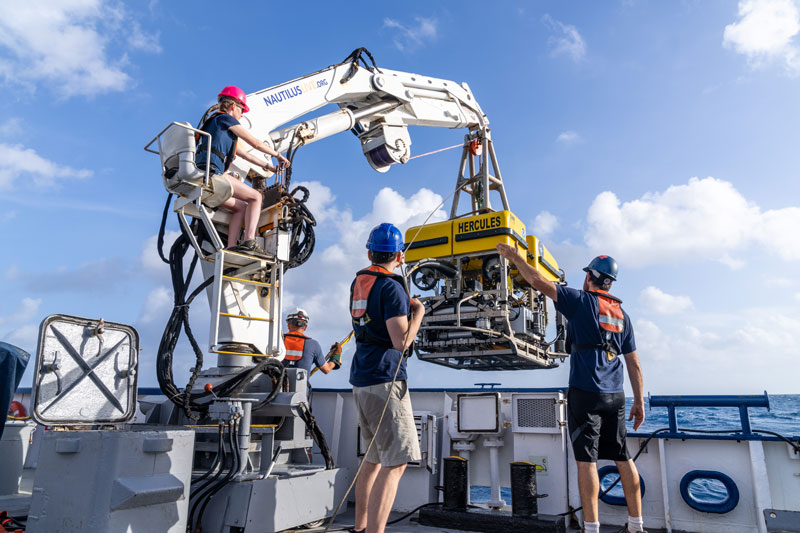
{"x": 597, "y": 425}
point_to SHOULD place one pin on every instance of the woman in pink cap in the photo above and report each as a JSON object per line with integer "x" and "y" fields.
{"x": 242, "y": 200}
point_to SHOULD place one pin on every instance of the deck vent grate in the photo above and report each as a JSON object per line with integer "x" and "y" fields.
{"x": 536, "y": 413}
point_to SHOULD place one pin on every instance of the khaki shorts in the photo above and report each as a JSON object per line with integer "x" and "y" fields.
{"x": 218, "y": 191}
{"x": 396, "y": 442}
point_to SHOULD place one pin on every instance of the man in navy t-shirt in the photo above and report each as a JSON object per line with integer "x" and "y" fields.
{"x": 599, "y": 331}
{"x": 303, "y": 351}
{"x": 379, "y": 307}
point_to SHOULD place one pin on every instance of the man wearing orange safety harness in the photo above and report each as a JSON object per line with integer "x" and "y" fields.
{"x": 599, "y": 331}
{"x": 304, "y": 352}
{"x": 380, "y": 308}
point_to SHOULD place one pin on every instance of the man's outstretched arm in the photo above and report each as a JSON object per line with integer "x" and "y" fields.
{"x": 637, "y": 384}
{"x": 516, "y": 256}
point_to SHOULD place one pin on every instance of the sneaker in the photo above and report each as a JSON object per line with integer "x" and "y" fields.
{"x": 624, "y": 529}
{"x": 248, "y": 247}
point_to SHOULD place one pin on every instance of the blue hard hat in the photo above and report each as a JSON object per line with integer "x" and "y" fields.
{"x": 604, "y": 264}
{"x": 385, "y": 238}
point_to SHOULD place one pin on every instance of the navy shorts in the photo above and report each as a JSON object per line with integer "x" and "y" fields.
{"x": 597, "y": 425}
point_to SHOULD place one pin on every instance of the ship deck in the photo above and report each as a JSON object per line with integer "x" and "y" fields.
{"x": 346, "y": 519}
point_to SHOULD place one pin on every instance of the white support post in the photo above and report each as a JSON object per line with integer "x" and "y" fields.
{"x": 662, "y": 458}
{"x": 219, "y": 267}
{"x": 337, "y": 427}
{"x": 493, "y": 444}
{"x": 760, "y": 482}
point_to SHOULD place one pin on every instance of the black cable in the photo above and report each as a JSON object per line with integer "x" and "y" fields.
{"x": 396, "y": 520}
{"x": 317, "y": 434}
{"x": 237, "y": 461}
{"x": 197, "y": 495}
{"x": 215, "y": 464}
{"x": 162, "y": 229}
{"x": 302, "y": 238}
{"x": 794, "y": 446}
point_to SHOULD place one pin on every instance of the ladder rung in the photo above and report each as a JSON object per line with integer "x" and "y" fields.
{"x": 247, "y": 317}
{"x": 248, "y": 281}
{"x": 241, "y": 353}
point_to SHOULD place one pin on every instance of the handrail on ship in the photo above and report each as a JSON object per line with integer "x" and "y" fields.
{"x": 742, "y": 402}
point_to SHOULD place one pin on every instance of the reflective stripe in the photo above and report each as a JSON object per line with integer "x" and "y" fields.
{"x": 612, "y": 321}
{"x": 294, "y": 344}
{"x": 361, "y": 289}
{"x": 609, "y": 312}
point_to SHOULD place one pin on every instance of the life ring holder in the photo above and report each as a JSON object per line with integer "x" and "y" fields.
{"x": 615, "y": 500}
{"x": 725, "y": 506}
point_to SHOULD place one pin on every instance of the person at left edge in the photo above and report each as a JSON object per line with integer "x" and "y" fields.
{"x": 243, "y": 201}
{"x": 303, "y": 351}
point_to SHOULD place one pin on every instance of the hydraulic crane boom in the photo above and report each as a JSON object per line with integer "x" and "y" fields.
{"x": 377, "y": 104}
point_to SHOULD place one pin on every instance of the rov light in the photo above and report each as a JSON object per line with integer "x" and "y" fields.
{"x": 386, "y": 145}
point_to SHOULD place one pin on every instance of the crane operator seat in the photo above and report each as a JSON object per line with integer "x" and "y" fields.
{"x": 180, "y": 173}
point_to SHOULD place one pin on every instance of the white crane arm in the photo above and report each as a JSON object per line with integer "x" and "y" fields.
{"x": 379, "y": 103}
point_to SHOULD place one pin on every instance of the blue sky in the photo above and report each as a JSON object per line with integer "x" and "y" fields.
{"x": 662, "y": 133}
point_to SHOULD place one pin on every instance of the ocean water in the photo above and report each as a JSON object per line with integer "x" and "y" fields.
{"x": 782, "y": 417}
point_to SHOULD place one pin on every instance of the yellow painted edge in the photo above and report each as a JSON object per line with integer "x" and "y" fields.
{"x": 249, "y": 281}
{"x": 247, "y": 317}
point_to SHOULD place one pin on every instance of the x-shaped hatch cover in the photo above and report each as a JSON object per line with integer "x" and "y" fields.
{"x": 85, "y": 372}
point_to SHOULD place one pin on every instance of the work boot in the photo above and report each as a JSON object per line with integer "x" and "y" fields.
{"x": 248, "y": 247}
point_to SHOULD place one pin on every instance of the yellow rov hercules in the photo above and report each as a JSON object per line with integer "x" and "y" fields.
{"x": 482, "y": 315}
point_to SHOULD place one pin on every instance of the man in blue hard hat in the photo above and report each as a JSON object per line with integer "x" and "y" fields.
{"x": 599, "y": 331}
{"x": 385, "y": 322}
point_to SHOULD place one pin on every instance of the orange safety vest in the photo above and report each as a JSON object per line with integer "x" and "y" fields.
{"x": 365, "y": 279}
{"x": 359, "y": 297}
{"x": 611, "y": 319}
{"x": 609, "y": 312}
{"x": 294, "y": 344}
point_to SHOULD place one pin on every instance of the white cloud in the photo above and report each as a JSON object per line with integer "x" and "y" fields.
{"x": 150, "y": 260}
{"x": 705, "y": 219}
{"x": 568, "y": 137}
{"x": 157, "y": 305}
{"x": 411, "y": 37}
{"x": 27, "y": 309}
{"x": 26, "y": 337}
{"x": 651, "y": 343}
{"x": 566, "y": 41}
{"x": 765, "y": 32}
{"x": 734, "y": 353}
{"x": 12, "y": 127}
{"x": 320, "y": 201}
{"x": 544, "y": 224}
{"x": 657, "y": 301}
{"x": 140, "y": 40}
{"x": 781, "y": 283}
{"x": 22, "y": 333}
{"x": 19, "y": 162}
{"x": 66, "y": 43}
{"x": 322, "y": 285}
